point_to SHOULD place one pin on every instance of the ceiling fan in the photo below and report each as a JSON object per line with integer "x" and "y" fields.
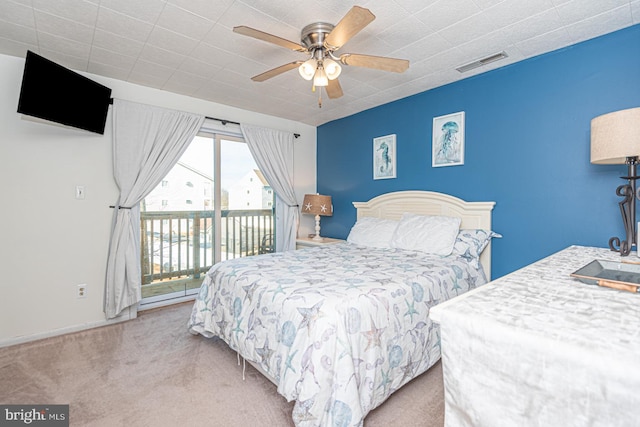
{"x": 320, "y": 41}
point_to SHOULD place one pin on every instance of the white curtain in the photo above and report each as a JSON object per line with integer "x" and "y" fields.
{"x": 273, "y": 153}
{"x": 147, "y": 142}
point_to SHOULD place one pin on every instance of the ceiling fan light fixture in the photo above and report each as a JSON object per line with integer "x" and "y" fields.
{"x": 308, "y": 69}
{"x": 320, "y": 78}
{"x": 332, "y": 68}
{"x": 320, "y": 40}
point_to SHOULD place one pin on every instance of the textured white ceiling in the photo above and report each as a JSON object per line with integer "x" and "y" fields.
{"x": 188, "y": 46}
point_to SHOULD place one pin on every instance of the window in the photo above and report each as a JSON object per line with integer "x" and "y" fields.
{"x": 214, "y": 216}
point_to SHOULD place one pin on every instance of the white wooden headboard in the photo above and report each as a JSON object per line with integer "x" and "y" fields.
{"x": 393, "y": 205}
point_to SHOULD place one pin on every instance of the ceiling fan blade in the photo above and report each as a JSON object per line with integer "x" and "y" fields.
{"x": 355, "y": 20}
{"x": 377, "y": 62}
{"x": 334, "y": 90}
{"x": 276, "y": 71}
{"x": 261, "y": 35}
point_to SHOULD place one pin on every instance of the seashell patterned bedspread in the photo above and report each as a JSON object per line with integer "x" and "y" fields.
{"x": 339, "y": 328}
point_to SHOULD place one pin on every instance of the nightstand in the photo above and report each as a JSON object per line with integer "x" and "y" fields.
{"x": 308, "y": 242}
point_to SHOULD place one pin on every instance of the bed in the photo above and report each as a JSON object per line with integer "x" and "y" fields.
{"x": 339, "y": 328}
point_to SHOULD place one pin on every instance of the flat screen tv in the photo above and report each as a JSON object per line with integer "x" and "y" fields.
{"x": 52, "y": 92}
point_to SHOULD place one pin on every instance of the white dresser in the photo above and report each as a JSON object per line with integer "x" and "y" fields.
{"x": 540, "y": 348}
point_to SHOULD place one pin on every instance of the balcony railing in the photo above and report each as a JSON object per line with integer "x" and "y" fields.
{"x": 180, "y": 245}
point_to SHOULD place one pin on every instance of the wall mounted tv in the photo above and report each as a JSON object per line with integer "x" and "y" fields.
{"x": 52, "y": 92}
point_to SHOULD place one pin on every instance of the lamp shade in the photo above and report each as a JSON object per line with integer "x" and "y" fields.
{"x": 615, "y": 136}
{"x": 317, "y": 204}
{"x": 320, "y": 78}
{"x": 308, "y": 68}
{"x": 332, "y": 68}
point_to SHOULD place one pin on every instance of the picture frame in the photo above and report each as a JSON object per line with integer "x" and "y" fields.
{"x": 447, "y": 147}
{"x": 384, "y": 157}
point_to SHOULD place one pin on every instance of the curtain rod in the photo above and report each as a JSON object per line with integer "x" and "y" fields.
{"x": 223, "y": 121}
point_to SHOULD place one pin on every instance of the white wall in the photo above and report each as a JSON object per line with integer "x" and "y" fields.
{"x": 50, "y": 241}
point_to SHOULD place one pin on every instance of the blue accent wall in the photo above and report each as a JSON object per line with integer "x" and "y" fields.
{"x": 527, "y": 147}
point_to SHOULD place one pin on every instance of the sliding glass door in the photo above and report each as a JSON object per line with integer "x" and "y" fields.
{"x": 214, "y": 205}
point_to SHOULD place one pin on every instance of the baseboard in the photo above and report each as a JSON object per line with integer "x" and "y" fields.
{"x": 128, "y": 314}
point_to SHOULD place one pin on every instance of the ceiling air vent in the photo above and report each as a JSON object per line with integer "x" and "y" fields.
{"x": 481, "y": 62}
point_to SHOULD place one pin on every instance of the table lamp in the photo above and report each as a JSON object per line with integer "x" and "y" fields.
{"x": 615, "y": 139}
{"x": 316, "y": 204}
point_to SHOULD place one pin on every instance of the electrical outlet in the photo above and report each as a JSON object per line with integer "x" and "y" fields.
{"x": 81, "y": 291}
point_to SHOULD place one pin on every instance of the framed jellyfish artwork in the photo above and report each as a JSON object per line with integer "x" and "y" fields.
{"x": 384, "y": 157}
{"x": 448, "y": 140}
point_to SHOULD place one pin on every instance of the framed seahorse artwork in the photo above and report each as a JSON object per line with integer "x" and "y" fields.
{"x": 448, "y": 140}
{"x": 384, "y": 157}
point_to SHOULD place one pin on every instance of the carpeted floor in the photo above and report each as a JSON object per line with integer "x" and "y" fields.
{"x": 152, "y": 372}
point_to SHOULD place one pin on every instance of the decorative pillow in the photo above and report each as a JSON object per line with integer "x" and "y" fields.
{"x": 373, "y": 232}
{"x": 470, "y": 243}
{"x": 431, "y": 234}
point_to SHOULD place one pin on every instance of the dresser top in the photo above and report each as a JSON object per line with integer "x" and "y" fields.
{"x": 542, "y": 300}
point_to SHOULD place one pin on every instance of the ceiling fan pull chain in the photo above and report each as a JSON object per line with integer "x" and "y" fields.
{"x": 319, "y": 98}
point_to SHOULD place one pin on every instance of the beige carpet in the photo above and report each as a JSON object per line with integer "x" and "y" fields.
{"x": 151, "y": 372}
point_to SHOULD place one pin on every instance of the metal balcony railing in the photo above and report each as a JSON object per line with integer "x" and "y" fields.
{"x": 180, "y": 245}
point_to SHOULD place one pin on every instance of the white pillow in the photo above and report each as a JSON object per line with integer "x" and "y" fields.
{"x": 373, "y": 232}
{"x": 431, "y": 234}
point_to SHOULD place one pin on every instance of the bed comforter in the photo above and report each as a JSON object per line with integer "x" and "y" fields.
{"x": 339, "y": 328}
